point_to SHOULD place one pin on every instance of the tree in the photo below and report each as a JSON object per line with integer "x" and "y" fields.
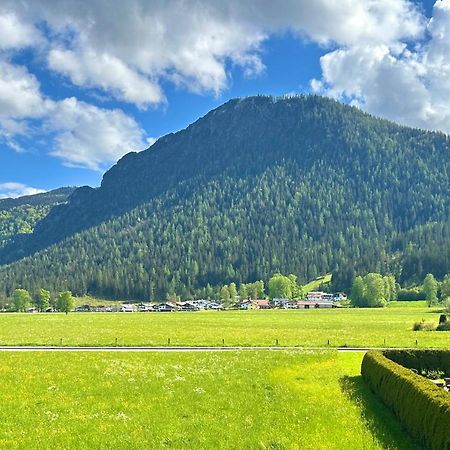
{"x": 430, "y": 287}
{"x": 357, "y": 293}
{"x": 233, "y": 291}
{"x": 445, "y": 287}
{"x": 280, "y": 286}
{"x": 172, "y": 297}
{"x": 21, "y": 299}
{"x": 258, "y": 289}
{"x": 243, "y": 291}
{"x": 65, "y": 301}
{"x": 374, "y": 290}
{"x": 225, "y": 294}
{"x": 42, "y": 301}
{"x": 390, "y": 288}
{"x": 296, "y": 289}
{"x": 251, "y": 291}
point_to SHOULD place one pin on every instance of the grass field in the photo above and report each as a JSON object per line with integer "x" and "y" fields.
{"x": 351, "y": 327}
{"x": 315, "y": 284}
{"x": 245, "y": 400}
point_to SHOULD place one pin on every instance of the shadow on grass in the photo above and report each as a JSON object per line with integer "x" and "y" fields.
{"x": 382, "y": 423}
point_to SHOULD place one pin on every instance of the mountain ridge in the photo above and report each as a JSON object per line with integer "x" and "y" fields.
{"x": 19, "y": 216}
{"x": 325, "y": 176}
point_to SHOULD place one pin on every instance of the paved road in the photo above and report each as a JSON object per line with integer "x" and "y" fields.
{"x": 171, "y": 349}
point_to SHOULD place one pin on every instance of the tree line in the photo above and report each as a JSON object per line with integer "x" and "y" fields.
{"x": 21, "y": 300}
{"x": 376, "y": 290}
{"x": 278, "y": 286}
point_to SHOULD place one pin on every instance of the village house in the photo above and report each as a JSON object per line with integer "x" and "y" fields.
{"x": 201, "y": 304}
{"x": 146, "y": 307}
{"x": 280, "y": 302}
{"x": 187, "y": 306}
{"x": 254, "y": 304}
{"x": 215, "y": 306}
{"x": 166, "y": 307}
{"x": 314, "y": 304}
{"x": 83, "y": 308}
{"x": 127, "y": 308}
{"x": 319, "y": 296}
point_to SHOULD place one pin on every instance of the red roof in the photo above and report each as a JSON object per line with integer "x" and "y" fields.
{"x": 261, "y": 302}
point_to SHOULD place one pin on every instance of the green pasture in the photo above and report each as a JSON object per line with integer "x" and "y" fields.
{"x": 315, "y": 284}
{"x": 390, "y": 327}
{"x": 248, "y": 399}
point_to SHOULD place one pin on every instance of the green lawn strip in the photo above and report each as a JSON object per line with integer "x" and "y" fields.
{"x": 390, "y": 327}
{"x": 261, "y": 399}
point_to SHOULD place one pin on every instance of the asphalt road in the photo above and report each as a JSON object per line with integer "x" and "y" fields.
{"x": 172, "y": 349}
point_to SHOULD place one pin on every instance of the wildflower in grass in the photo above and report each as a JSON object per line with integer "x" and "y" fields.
{"x": 51, "y": 416}
{"x": 121, "y": 416}
{"x": 178, "y": 378}
{"x": 199, "y": 390}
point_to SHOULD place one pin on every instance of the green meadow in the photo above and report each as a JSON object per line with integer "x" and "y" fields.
{"x": 234, "y": 400}
{"x": 315, "y": 284}
{"x": 390, "y": 327}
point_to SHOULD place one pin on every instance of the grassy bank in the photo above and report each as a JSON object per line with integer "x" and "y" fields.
{"x": 352, "y": 327}
{"x": 260, "y": 400}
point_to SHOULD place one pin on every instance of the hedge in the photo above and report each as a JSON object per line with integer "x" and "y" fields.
{"x": 421, "y": 359}
{"x": 422, "y": 407}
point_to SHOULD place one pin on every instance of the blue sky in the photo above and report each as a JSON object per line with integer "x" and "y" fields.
{"x": 81, "y": 85}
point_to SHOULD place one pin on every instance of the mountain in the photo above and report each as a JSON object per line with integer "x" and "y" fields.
{"x": 18, "y": 216}
{"x": 301, "y": 185}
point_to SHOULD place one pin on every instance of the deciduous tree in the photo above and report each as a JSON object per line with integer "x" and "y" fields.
{"x": 430, "y": 287}
{"x": 65, "y": 301}
{"x": 21, "y": 299}
{"x": 280, "y": 286}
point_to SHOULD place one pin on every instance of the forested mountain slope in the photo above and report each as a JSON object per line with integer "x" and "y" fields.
{"x": 303, "y": 185}
{"x": 19, "y": 216}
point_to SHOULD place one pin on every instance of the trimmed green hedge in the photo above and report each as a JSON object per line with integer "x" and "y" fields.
{"x": 421, "y": 359}
{"x": 423, "y": 408}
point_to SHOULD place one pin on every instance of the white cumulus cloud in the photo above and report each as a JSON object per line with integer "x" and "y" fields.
{"x": 82, "y": 134}
{"x": 16, "y": 34}
{"x": 108, "y": 73}
{"x": 20, "y": 94}
{"x": 13, "y": 190}
{"x": 408, "y": 84}
{"x": 382, "y": 55}
{"x": 88, "y": 136}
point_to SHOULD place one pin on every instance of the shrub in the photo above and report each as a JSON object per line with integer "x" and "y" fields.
{"x": 432, "y": 374}
{"x": 446, "y": 304}
{"x": 424, "y": 326}
{"x": 410, "y": 294}
{"x": 423, "y": 408}
{"x": 444, "y": 326}
{"x": 421, "y": 360}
